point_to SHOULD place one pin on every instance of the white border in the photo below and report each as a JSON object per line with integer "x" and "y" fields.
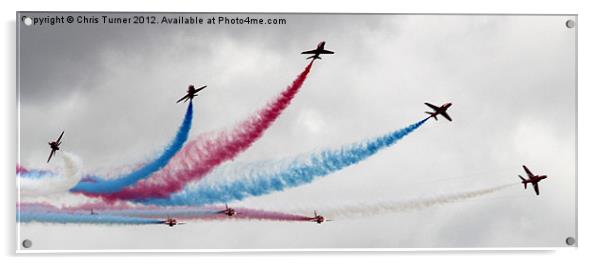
{"x": 589, "y": 131}
{"x": 292, "y": 250}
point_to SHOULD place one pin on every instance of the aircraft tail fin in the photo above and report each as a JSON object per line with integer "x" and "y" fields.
{"x": 524, "y": 181}
{"x": 432, "y": 114}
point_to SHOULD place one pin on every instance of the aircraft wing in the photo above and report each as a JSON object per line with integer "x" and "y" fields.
{"x": 528, "y": 171}
{"x": 61, "y": 136}
{"x": 431, "y": 106}
{"x": 536, "y": 188}
{"x": 310, "y": 52}
{"x": 444, "y": 114}
{"x": 326, "y": 52}
{"x": 50, "y": 156}
{"x": 183, "y": 98}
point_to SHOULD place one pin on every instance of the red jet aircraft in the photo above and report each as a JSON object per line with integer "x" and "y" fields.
{"x": 191, "y": 93}
{"x": 171, "y": 222}
{"x": 318, "y": 218}
{"x": 439, "y": 110}
{"x": 54, "y": 146}
{"x": 319, "y": 50}
{"x": 533, "y": 179}
{"x": 228, "y": 211}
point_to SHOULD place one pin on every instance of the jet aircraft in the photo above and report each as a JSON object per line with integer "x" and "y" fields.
{"x": 319, "y": 50}
{"x": 439, "y": 110}
{"x": 191, "y": 93}
{"x": 54, "y": 146}
{"x": 533, "y": 179}
{"x": 172, "y": 222}
{"x": 318, "y": 218}
{"x": 228, "y": 211}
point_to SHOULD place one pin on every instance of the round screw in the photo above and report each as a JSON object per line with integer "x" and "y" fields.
{"x": 570, "y": 23}
{"x": 27, "y": 21}
{"x": 27, "y": 243}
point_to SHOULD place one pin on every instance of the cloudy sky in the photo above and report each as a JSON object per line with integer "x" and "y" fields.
{"x": 113, "y": 88}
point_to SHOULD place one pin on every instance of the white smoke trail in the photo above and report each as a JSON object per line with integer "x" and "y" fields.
{"x": 59, "y": 183}
{"x": 363, "y": 210}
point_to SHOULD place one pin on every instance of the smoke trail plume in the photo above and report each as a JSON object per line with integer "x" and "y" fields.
{"x": 47, "y": 184}
{"x": 364, "y": 210}
{"x": 123, "y": 212}
{"x": 21, "y": 169}
{"x": 201, "y": 155}
{"x": 301, "y": 170}
{"x": 64, "y": 218}
{"x": 33, "y": 173}
{"x": 119, "y": 209}
{"x": 254, "y": 214}
{"x": 106, "y": 186}
{"x": 203, "y": 213}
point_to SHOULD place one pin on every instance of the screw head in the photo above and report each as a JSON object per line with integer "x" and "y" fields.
{"x": 570, "y": 23}
{"x": 570, "y": 241}
{"x": 27, "y": 243}
{"x": 27, "y": 21}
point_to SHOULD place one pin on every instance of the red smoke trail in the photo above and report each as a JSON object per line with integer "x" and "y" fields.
{"x": 253, "y": 214}
{"x": 21, "y": 170}
{"x": 201, "y": 155}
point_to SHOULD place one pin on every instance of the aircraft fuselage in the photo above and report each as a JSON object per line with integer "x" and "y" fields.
{"x": 54, "y": 145}
{"x": 191, "y": 91}
{"x": 171, "y": 222}
{"x": 534, "y": 179}
{"x": 230, "y": 212}
{"x": 318, "y": 219}
{"x": 444, "y": 107}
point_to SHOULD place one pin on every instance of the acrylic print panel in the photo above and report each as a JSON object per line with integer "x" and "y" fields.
{"x": 207, "y": 131}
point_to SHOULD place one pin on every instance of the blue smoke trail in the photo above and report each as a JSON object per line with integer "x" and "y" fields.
{"x": 100, "y": 186}
{"x": 301, "y": 171}
{"x": 57, "y": 217}
{"x": 36, "y": 174}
